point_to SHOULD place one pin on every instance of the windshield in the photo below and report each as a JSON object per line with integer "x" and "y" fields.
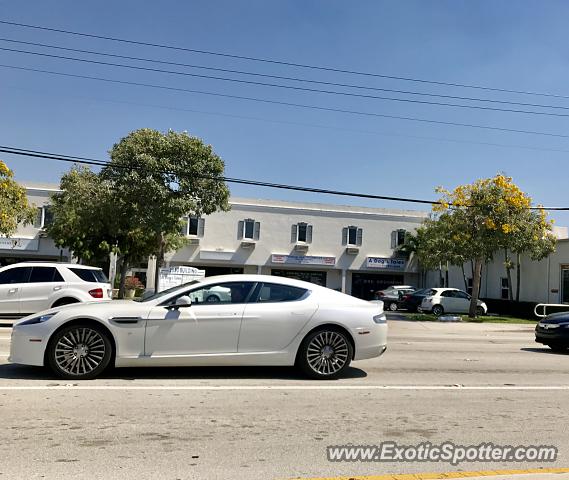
{"x": 163, "y": 293}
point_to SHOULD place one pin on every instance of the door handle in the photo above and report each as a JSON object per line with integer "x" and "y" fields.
{"x": 13, "y": 290}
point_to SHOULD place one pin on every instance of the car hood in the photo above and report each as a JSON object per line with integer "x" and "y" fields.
{"x": 89, "y": 305}
{"x": 560, "y": 317}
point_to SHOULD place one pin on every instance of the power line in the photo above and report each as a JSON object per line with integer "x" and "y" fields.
{"x": 303, "y": 124}
{"x": 102, "y": 163}
{"x": 288, "y": 87}
{"x": 288, "y": 104}
{"x": 278, "y": 77}
{"x": 280, "y": 62}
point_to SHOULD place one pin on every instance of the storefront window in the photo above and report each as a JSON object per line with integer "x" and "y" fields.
{"x": 565, "y": 284}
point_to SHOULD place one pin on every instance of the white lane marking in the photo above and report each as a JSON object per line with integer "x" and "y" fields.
{"x": 285, "y": 387}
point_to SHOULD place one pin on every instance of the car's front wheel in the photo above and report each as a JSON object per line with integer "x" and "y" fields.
{"x": 79, "y": 352}
{"x": 325, "y": 354}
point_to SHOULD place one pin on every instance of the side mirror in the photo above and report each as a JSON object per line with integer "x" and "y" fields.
{"x": 182, "y": 302}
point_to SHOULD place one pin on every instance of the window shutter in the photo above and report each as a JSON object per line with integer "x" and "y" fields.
{"x": 257, "y": 231}
{"x": 345, "y": 236}
{"x": 293, "y": 233}
{"x": 359, "y": 236}
{"x": 309, "y": 234}
{"x": 201, "y": 227}
{"x": 240, "y": 227}
{"x": 394, "y": 239}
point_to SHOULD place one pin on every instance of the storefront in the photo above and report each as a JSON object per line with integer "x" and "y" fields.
{"x": 365, "y": 285}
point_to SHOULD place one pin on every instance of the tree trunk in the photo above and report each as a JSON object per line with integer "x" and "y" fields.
{"x": 509, "y": 275}
{"x": 446, "y": 276}
{"x": 123, "y": 270}
{"x": 475, "y": 288}
{"x": 464, "y": 277}
{"x": 518, "y": 276}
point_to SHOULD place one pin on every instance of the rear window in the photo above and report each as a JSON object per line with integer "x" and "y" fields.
{"x": 90, "y": 275}
{"x": 272, "y": 292}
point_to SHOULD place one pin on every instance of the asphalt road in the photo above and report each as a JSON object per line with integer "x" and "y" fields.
{"x": 465, "y": 383}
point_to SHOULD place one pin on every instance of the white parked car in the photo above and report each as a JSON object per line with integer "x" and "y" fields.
{"x": 30, "y": 287}
{"x": 265, "y": 321}
{"x": 449, "y": 300}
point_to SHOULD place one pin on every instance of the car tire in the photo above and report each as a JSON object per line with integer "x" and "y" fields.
{"x": 81, "y": 351}
{"x": 64, "y": 301}
{"x": 325, "y": 354}
{"x": 438, "y": 310}
{"x": 392, "y": 307}
{"x": 480, "y": 312}
{"x": 557, "y": 347}
{"x": 212, "y": 299}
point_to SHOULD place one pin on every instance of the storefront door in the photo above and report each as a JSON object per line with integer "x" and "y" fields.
{"x": 364, "y": 285}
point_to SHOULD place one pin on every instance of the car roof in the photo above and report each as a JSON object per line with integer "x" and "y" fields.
{"x": 245, "y": 277}
{"x": 48, "y": 264}
{"x": 444, "y": 289}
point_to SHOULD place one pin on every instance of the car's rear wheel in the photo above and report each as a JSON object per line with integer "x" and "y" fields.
{"x": 438, "y": 310}
{"x": 480, "y": 312}
{"x": 392, "y": 307}
{"x": 79, "y": 352}
{"x": 64, "y": 301}
{"x": 325, "y": 354}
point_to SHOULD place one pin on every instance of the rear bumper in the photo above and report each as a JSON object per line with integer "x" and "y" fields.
{"x": 370, "y": 342}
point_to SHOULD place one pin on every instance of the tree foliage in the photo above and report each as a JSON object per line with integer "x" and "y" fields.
{"x": 474, "y": 221}
{"x": 14, "y": 207}
{"x": 134, "y": 205}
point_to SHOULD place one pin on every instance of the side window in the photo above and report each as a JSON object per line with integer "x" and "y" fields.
{"x": 273, "y": 292}
{"x": 222, "y": 293}
{"x": 15, "y": 275}
{"x": 462, "y": 295}
{"x": 45, "y": 274}
{"x": 448, "y": 294}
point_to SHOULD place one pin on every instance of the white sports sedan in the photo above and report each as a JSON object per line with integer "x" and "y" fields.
{"x": 264, "y": 320}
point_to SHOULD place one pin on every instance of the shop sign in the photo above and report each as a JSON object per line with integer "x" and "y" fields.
{"x": 386, "y": 263}
{"x": 19, "y": 243}
{"x": 303, "y": 260}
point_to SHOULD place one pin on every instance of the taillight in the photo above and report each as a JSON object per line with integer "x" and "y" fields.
{"x": 406, "y": 297}
{"x": 96, "y": 293}
{"x": 380, "y": 293}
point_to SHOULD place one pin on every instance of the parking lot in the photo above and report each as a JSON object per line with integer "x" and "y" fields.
{"x": 465, "y": 383}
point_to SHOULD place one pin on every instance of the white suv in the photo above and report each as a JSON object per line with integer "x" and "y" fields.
{"x": 30, "y": 287}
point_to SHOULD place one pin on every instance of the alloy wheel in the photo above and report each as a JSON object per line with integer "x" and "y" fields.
{"x": 80, "y": 351}
{"x": 327, "y": 353}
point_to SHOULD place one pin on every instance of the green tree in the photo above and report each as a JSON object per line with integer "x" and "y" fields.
{"x": 157, "y": 178}
{"x": 488, "y": 215}
{"x": 14, "y": 207}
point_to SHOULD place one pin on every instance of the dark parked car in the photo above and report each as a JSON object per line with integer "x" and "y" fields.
{"x": 553, "y": 331}
{"x": 391, "y": 296}
{"x": 412, "y": 300}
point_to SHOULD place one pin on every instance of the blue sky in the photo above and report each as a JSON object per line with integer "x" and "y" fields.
{"x": 515, "y": 45}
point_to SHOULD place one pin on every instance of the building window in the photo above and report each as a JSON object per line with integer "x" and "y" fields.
{"x": 249, "y": 229}
{"x": 398, "y": 238}
{"x": 301, "y": 233}
{"x": 193, "y": 226}
{"x": 352, "y": 236}
{"x": 504, "y": 288}
{"x": 44, "y": 217}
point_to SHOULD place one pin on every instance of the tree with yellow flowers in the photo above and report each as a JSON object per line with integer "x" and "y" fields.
{"x": 14, "y": 207}
{"x": 490, "y": 215}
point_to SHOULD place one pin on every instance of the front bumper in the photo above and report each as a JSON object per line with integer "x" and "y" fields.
{"x": 559, "y": 335}
{"x": 26, "y": 347}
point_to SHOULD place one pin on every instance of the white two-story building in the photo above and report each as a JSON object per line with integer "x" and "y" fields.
{"x": 352, "y": 249}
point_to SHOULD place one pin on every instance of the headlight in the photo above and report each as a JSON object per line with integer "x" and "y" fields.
{"x": 40, "y": 319}
{"x": 380, "y": 318}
